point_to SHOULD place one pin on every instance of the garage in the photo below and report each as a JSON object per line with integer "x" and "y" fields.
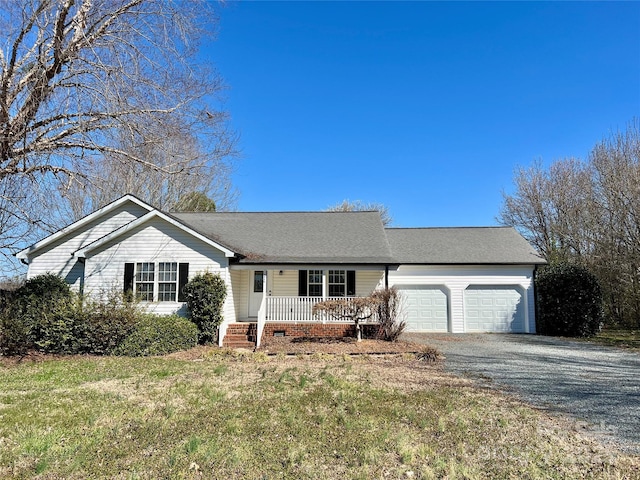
{"x": 494, "y": 309}
{"x": 425, "y": 308}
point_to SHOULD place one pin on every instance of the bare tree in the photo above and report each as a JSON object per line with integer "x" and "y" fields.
{"x": 359, "y": 206}
{"x": 92, "y": 87}
{"x": 110, "y": 177}
{"x": 589, "y": 213}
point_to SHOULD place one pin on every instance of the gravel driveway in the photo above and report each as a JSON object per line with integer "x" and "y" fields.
{"x": 598, "y": 385}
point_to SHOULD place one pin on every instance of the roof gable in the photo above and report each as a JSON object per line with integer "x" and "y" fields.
{"x": 84, "y": 251}
{"x": 77, "y": 225}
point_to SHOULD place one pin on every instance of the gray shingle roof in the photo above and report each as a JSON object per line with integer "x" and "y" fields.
{"x": 296, "y": 237}
{"x": 465, "y": 245}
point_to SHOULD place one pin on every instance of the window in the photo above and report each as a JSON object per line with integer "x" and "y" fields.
{"x": 258, "y": 282}
{"x": 337, "y": 283}
{"x": 145, "y": 280}
{"x": 167, "y": 281}
{"x": 315, "y": 283}
{"x": 156, "y": 282}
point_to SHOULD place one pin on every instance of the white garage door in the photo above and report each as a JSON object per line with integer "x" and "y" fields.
{"x": 425, "y": 308}
{"x": 493, "y": 309}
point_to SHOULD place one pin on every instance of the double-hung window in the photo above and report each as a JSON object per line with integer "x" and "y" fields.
{"x": 315, "y": 283}
{"x": 337, "y": 283}
{"x": 156, "y": 282}
{"x": 330, "y": 283}
{"x": 167, "y": 281}
{"x": 145, "y": 281}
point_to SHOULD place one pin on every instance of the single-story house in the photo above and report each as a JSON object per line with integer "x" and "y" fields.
{"x": 277, "y": 265}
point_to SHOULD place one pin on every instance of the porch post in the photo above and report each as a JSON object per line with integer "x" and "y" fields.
{"x": 325, "y": 279}
{"x": 265, "y": 279}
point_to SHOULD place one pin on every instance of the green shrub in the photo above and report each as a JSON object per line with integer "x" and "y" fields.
{"x": 159, "y": 335}
{"x": 53, "y": 330}
{"x": 205, "y": 294}
{"x": 39, "y": 316}
{"x": 389, "y": 314}
{"x": 14, "y": 333}
{"x": 103, "y": 323}
{"x": 45, "y": 287}
{"x": 569, "y": 301}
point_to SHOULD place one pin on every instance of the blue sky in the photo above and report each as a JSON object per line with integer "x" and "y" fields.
{"x": 425, "y": 107}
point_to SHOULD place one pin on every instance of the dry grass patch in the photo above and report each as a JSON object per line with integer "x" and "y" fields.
{"x": 223, "y": 414}
{"x": 335, "y": 345}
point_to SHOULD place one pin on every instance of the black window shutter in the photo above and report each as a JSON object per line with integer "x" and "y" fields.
{"x": 302, "y": 283}
{"x": 128, "y": 278}
{"x": 183, "y": 278}
{"x": 351, "y": 283}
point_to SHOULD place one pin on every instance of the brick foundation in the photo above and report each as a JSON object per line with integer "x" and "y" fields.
{"x": 317, "y": 330}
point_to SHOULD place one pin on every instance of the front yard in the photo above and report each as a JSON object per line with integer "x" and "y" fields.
{"x": 218, "y": 414}
{"x": 623, "y": 338}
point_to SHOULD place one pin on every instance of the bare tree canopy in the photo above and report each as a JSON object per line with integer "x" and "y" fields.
{"x": 359, "y": 206}
{"x": 588, "y": 212}
{"x": 94, "y": 93}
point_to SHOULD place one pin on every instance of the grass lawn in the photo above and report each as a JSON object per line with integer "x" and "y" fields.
{"x": 618, "y": 338}
{"x": 226, "y": 415}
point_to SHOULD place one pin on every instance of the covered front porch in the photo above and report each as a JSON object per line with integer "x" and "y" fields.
{"x": 286, "y": 296}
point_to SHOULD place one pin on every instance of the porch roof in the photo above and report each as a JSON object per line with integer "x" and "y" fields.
{"x": 296, "y": 237}
{"x": 461, "y": 246}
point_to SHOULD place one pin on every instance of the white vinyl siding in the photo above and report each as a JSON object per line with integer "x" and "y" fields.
{"x": 285, "y": 285}
{"x": 367, "y": 281}
{"x": 58, "y": 257}
{"x": 240, "y": 290}
{"x": 156, "y": 241}
{"x": 456, "y": 279}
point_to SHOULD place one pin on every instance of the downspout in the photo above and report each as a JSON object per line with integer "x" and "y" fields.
{"x": 386, "y": 277}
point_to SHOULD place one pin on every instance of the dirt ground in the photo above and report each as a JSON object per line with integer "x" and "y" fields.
{"x": 278, "y": 346}
{"x": 335, "y": 345}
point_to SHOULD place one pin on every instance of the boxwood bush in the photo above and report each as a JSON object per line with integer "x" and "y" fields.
{"x": 159, "y": 335}
{"x": 569, "y": 301}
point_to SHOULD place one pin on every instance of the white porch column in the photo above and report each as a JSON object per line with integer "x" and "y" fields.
{"x": 325, "y": 286}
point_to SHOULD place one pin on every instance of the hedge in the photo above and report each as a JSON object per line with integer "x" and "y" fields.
{"x": 159, "y": 335}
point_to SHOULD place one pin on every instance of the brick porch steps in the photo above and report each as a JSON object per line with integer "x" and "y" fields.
{"x": 240, "y": 335}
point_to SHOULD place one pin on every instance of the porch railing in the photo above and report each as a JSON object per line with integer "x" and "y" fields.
{"x": 291, "y": 309}
{"x": 295, "y": 309}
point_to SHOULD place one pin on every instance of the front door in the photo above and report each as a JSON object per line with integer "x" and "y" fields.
{"x": 256, "y": 292}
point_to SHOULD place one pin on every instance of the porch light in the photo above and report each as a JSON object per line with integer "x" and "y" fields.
{"x": 280, "y": 273}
